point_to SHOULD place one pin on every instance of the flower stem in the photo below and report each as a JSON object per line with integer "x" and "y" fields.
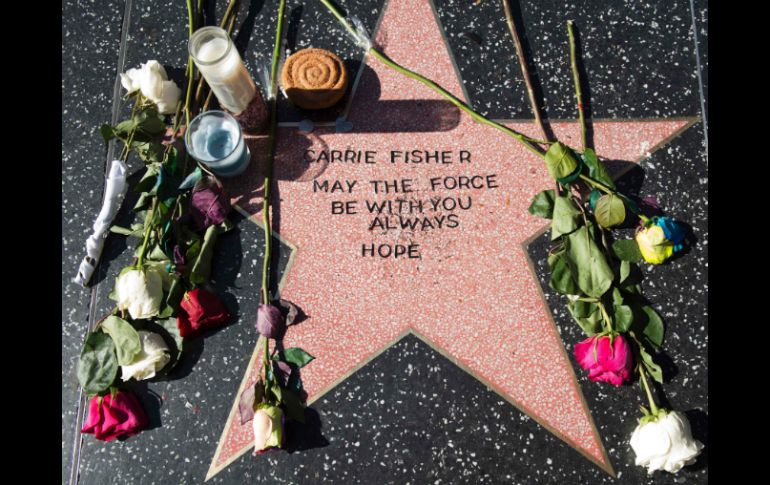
{"x": 653, "y": 406}
{"x": 271, "y": 153}
{"x": 576, "y": 78}
{"x": 528, "y": 143}
{"x": 605, "y": 315}
{"x": 190, "y": 77}
{"x": 147, "y": 231}
{"x": 523, "y": 65}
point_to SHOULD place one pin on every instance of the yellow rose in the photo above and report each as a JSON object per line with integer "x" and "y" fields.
{"x": 654, "y": 246}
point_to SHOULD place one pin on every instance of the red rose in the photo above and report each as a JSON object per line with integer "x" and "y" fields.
{"x": 112, "y": 417}
{"x": 200, "y": 309}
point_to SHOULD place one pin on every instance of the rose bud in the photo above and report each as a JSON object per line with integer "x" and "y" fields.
{"x": 660, "y": 239}
{"x": 113, "y": 417}
{"x": 605, "y": 361}
{"x": 152, "y": 358}
{"x": 140, "y": 291}
{"x": 209, "y": 204}
{"x": 665, "y": 442}
{"x": 270, "y": 322}
{"x": 200, "y": 309}
{"x": 268, "y": 428}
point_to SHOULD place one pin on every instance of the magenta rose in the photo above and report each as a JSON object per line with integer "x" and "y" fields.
{"x": 605, "y": 361}
{"x": 110, "y": 418}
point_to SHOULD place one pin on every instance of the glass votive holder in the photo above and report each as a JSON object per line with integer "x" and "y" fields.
{"x": 215, "y": 139}
{"x": 221, "y": 66}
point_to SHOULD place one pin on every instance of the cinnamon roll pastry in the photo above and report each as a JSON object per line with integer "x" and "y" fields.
{"x": 314, "y": 78}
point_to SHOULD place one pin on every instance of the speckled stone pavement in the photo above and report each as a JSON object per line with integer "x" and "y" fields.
{"x": 416, "y": 412}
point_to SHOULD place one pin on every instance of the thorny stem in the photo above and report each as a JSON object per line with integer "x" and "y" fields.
{"x": 271, "y": 153}
{"x": 523, "y": 65}
{"x": 528, "y": 143}
{"x": 576, "y": 78}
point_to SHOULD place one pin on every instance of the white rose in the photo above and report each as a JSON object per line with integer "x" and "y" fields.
{"x": 153, "y": 357}
{"x": 268, "y": 428}
{"x": 665, "y": 443}
{"x": 169, "y": 96}
{"x": 152, "y": 80}
{"x": 130, "y": 80}
{"x": 140, "y": 292}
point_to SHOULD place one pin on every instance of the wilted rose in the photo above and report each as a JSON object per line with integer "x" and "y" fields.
{"x": 152, "y": 358}
{"x": 270, "y": 321}
{"x": 209, "y": 203}
{"x": 268, "y": 428}
{"x": 200, "y": 309}
{"x": 140, "y": 291}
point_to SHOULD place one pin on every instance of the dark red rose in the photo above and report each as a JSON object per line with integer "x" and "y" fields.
{"x": 199, "y": 310}
{"x": 209, "y": 203}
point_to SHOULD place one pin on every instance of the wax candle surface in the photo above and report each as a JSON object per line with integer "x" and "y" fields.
{"x": 215, "y": 139}
{"x": 224, "y": 71}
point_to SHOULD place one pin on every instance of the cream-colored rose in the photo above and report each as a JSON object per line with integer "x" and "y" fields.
{"x": 169, "y": 96}
{"x": 130, "y": 80}
{"x": 153, "y": 357}
{"x": 268, "y": 428}
{"x": 665, "y": 443}
{"x": 152, "y": 80}
{"x": 140, "y": 292}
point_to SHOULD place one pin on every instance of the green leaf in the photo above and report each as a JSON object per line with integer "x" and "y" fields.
{"x": 561, "y": 162}
{"x": 149, "y": 179}
{"x": 123, "y": 128}
{"x": 623, "y": 318}
{"x": 126, "y": 231}
{"x": 565, "y": 217}
{"x": 171, "y": 328}
{"x": 125, "y": 338}
{"x": 652, "y": 368}
{"x": 201, "y": 269}
{"x": 107, "y": 132}
{"x": 297, "y": 356}
{"x": 150, "y": 152}
{"x": 627, "y": 250}
{"x": 610, "y": 210}
{"x": 542, "y": 204}
{"x": 587, "y": 315}
{"x": 653, "y": 328}
{"x": 588, "y": 264}
{"x": 625, "y": 271}
{"x": 98, "y": 366}
{"x": 596, "y": 169}
{"x": 294, "y": 408}
{"x": 148, "y": 121}
{"x": 277, "y": 392}
{"x": 561, "y": 276}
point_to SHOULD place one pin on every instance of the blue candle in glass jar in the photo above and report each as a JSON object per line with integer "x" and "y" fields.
{"x": 215, "y": 139}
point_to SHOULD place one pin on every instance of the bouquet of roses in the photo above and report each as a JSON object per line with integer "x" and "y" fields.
{"x": 164, "y": 297}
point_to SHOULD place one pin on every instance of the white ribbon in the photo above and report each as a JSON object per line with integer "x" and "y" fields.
{"x": 114, "y": 189}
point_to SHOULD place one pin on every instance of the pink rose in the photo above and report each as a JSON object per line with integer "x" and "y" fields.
{"x": 605, "y": 362}
{"x": 110, "y": 418}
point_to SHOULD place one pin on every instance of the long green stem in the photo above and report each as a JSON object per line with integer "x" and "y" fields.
{"x": 605, "y": 315}
{"x": 576, "y": 78}
{"x": 271, "y": 153}
{"x": 147, "y": 231}
{"x": 523, "y": 66}
{"x": 528, "y": 143}
{"x": 653, "y": 406}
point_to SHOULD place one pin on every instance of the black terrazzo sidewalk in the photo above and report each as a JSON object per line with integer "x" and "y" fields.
{"x": 409, "y": 416}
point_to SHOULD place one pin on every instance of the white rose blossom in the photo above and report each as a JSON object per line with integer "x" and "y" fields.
{"x": 140, "y": 292}
{"x": 153, "y": 357}
{"x": 151, "y": 79}
{"x": 665, "y": 443}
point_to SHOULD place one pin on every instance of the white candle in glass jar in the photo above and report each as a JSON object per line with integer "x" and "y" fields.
{"x": 221, "y": 66}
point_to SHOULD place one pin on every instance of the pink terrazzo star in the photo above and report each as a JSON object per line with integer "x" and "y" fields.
{"x": 472, "y": 292}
